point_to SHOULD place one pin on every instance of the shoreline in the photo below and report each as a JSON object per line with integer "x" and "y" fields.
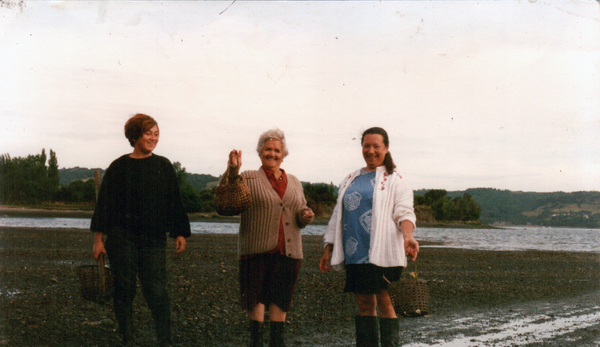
{"x": 12, "y": 211}
{"x": 40, "y": 303}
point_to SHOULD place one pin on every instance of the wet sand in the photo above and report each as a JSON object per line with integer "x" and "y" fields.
{"x": 40, "y": 302}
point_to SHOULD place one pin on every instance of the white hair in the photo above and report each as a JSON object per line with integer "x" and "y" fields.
{"x": 273, "y": 134}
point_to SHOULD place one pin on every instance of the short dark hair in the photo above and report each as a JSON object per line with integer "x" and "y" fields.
{"x": 387, "y": 161}
{"x": 137, "y": 125}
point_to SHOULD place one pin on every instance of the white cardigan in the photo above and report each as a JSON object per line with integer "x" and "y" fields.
{"x": 392, "y": 204}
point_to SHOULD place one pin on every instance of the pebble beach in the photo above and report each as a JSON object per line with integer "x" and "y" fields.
{"x": 41, "y": 303}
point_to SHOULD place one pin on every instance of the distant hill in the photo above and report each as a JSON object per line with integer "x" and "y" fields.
{"x": 202, "y": 181}
{"x": 198, "y": 181}
{"x": 77, "y": 173}
{"x": 577, "y": 209}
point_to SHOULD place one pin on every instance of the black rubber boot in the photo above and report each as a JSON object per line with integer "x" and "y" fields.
{"x": 276, "y": 334}
{"x": 389, "y": 332}
{"x": 124, "y": 317}
{"x": 163, "y": 330}
{"x": 256, "y": 334}
{"x": 367, "y": 331}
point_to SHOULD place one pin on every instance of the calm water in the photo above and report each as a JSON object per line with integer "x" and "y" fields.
{"x": 512, "y": 238}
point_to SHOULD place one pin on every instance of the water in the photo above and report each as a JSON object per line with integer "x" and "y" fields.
{"x": 232, "y": 228}
{"x": 505, "y": 239}
{"x": 515, "y": 238}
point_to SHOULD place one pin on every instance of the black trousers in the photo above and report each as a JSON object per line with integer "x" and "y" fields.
{"x": 129, "y": 261}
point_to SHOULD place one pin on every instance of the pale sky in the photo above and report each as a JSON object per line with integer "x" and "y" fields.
{"x": 497, "y": 94}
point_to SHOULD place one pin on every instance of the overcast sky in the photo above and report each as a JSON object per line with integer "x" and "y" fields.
{"x": 497, "y": 94}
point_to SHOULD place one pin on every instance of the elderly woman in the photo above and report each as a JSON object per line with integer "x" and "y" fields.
{"x": 269, "y": 245}
{"x": 370, "y": 234}
{"x": 139, "y": 202}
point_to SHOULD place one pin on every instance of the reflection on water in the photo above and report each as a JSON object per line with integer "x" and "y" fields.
{"x": 510, "y": 238}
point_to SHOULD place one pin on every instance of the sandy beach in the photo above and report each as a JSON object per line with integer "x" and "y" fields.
{"x": 40, "y": 302}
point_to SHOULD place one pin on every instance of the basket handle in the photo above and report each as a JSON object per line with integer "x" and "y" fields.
{"x": 414, "y": 274}
{"x": 101, "y": 271}
{"x": 404, "y": 272}
{"x": 225, "y": 179}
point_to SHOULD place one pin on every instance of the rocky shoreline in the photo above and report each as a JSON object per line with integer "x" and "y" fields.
{"x": 40, "y": 302}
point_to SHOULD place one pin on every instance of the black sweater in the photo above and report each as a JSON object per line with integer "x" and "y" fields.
{"x": 140, "y": 200}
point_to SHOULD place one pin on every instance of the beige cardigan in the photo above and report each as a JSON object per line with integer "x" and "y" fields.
{"x": 259, "y": 227}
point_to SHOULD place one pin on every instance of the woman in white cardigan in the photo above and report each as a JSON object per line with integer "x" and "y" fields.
{"x": 370, "y": 234}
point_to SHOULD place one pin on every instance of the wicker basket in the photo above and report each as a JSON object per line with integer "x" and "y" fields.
{"x": 232, "y": 198}
{"x": 410, "y": 295}
{"x": 96, "y": 281}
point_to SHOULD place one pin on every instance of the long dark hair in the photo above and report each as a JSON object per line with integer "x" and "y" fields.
{"x": 387, "y": 161}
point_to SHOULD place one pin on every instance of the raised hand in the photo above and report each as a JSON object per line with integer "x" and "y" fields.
{"x": 234, "y": 162}
{"x": 235, "y": 159}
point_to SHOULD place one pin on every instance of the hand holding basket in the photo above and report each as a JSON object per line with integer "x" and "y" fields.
{"x": 96, "y": 281}
{"x": 232, "y": 198}
{"x": 410, "y": 296}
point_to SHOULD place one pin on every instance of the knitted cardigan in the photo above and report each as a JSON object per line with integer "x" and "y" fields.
{"x": 392, "y": 204}
{"x": 259, "y": 226}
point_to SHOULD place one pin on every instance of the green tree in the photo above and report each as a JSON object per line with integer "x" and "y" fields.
{"x": 434, "y": 195}
{"x": 6, "y": 179}
{"x": 77, "y": 191}
{"x": 465, "y": 208}
{"x": 442, "y": 209}
{"x": 419, "y": 200}
{"x": 191, "y": 199}
{"x": 320, "y": 197}
{"x": 53, "y": 174}
{"x": 207, "y": 200}
{"x": 27, "y": 180}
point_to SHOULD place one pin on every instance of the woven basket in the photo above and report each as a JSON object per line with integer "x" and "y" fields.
{"x": 96, "y": 281}
{"x": 410, "y": 297}
{"x": 232, "y": 198}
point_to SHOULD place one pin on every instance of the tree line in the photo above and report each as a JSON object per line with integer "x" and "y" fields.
{"x": 36, "y": 179}
{"x": 320, "y": 197}
{"x": 445, "y": 208}
{"x": 30, "y": 180}
{"x": 558, "y": 209}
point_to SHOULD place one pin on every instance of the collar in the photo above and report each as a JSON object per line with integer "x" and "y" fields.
{"x": 271, "y": 175}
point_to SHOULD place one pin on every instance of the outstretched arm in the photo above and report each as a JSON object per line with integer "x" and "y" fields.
{"x": 411, "y": 246}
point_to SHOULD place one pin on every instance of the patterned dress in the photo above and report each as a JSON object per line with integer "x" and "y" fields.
{"x": 358, "y": 211}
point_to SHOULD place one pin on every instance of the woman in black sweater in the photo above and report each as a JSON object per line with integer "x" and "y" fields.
{"x": 139, "y": 202}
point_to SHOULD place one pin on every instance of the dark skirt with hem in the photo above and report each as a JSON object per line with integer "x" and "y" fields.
{"x": 370, "y": 279}
{"x": 268, "y": 278}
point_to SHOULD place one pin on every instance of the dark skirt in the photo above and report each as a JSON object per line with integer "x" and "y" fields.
{"x": 369, "y": 278}
{"x": 268, "y": 278}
